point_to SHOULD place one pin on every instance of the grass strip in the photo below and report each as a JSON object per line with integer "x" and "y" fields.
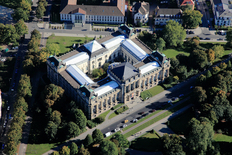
{"x": 104, "y": 114}
{"x": 156, "y": 119}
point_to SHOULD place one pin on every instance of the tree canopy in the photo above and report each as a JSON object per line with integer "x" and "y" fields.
{"x": 173, "y": 33}
{"x": 108, "y": 148}
{"x": 97, "y": 136}
{"x": 192, "y": 18}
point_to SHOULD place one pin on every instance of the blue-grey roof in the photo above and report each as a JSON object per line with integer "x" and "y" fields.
{"x": 134, "y": 50}
{"x": 78, "y": 75}
{"x": 124, "y": 71}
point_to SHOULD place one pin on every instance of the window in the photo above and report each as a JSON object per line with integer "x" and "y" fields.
{"x": 87, "y": 68}
{"x": 93, "y": 66}
{"x": 92, "y": 62}
{"x": 99, "y": 64}
{"x": 99, "y": 59}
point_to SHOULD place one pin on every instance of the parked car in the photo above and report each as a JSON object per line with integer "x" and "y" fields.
{"x": 191, "y": 32}
{"x": 3, "y": 146}
{"x": 117, "y": 129}
{"x": 207, "y": 38}
{"x": 107, "y": 134}
{"x": 181, "y": 95}
{"x": 220, "y": 39}
{"x": 135, "y": 120}
{"x": 125, "y": 125}
{"x": 153, "y": 110}
{"x": 187, "y": 32}
{"x": 8, "y": 108}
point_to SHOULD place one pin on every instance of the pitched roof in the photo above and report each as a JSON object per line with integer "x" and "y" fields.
{"x": 78, "y": 10}
{"x": 75, "y": 59}
{"x": 93, "y": 10}
{"x": 141, "y": 7}
{"x": 187, "y": 2}
{"x": 93, "y": 46}
{"x": 172, "y": 11}
{"x": 124, "y": 71}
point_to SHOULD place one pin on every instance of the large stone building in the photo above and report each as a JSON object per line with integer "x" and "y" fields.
{"x": 140, "y": 69}
{"x": 71, "y": 12}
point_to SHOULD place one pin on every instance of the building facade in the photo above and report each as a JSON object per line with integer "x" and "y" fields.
{"x": 140, "y": 69}
{"x": 70, "y": 12}
{"x": 162, "y": 15}
{"x": 222, "y": 11}
{"x": 140, "y": 12}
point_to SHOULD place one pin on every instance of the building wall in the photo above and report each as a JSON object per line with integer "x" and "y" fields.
{"x": 223, "y": 21}
{"x": 83, "y": 66}
{"x": 158, "y": 21}
{"x": 141, "y": 18}
{"x": 92, "y": 18}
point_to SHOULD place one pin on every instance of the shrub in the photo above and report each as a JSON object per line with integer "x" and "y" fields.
{"x": 122, "y": 109}
{"x": 219, "y": 131}
{"x": 99, "y": 119}
{"x": 91, "y": 124}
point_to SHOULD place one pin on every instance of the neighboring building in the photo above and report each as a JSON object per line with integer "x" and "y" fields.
{"x": 142, "y": 69}
{"x": 181, "y": 3}
{"x": 140, "y": 12}
{"x": 222, "y": 11}
{"x": 70, "y": 12}
{"x": 162, "y": 15}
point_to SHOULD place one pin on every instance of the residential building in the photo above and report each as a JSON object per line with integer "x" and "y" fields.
{"x": 162, "y": 15}
{"x": 222, "y": 11}
{"x": 70, "y": 12}
{"x": 140, "y": 70}
{"x": 140, "y": 12}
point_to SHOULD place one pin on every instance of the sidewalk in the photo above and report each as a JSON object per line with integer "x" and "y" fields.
{"x": 160, "y": 127}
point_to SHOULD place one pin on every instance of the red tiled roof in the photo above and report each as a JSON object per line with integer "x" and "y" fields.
{"x": 187, "y": 2}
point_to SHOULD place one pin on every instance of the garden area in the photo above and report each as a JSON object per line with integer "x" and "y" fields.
{"x": 151, "y": 92}
{"x": 148, "y": 142}
{"x": 65, "y": 43}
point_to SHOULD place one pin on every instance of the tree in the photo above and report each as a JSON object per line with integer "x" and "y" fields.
{"x": 24, "y": 86}
{"x": 191, "y": 18}
{"x": 83, "y": 151}
{"x": 123, "y": 142}
{"x": 28, "y": 66}
{"x": 201, "y": 79}
{"x": 96, "y": 73}
{"x": 215, "y": 70}
{"x": 223, "y": 65}
{"x": 108, "y": 148}
{"x": 79, "y": 118}
{"x": 55, "y": 153}
{"x": 172, "y": 144}
{"x": 88, "y": 140}
{"x": 229, "y": 36}
{"x": 73, "y": 149}
{"x": 73, "y": 130}
{"x": 19, "y": 112}
{"x": 21, "y": 28}
{"x": 11, "y": 148}
{"x": 33, "y": 45}
{"x": 35, "y": 34}
{"x": 208, "y": 74}
{"x": 52, "y": 94}
{"x": 160, "y": 43}
{"x": 65, "y": 151}
{"x": 211, "y": 55}
{"x": 40, "y": 10}
{"x": 199, "y": 135}
{"x": 198, "y": 59}
{"x": 229, "y": 66}
{"x": 174, "y": 62}
{"x": 51, "y": 130}
{"x": 15, "y": 136}
{"x": 186, "y": 7}
{"x": 99, "y": 119}
{"x": 219, "y": 51}
{"x": 18, "y": 120}
{"x": 97, "y": 136}
{"x": 21, "y": 103}
{"x": 105, "y": 66}
{"x": 53, "y": 49}
{"x": 173, "y": 33}
{"x": 199, "y": 94}
{"x": 22, "y": 11}
{"x": 10, "y": 34}
{"x": 56, "y": 117}
{"x": 181, "y": 72}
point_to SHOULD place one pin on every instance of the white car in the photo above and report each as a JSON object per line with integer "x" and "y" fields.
{"x": 125, "y": 125}
{"x": 135, "y": 120}
{"x": 8, "y": 108}
{"x": 15, "y": 48}
{"x": 117, "y": 129}
{"x": 108, "y": 134}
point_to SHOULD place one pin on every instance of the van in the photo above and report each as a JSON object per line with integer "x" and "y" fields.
{"x": 108, "y": 134}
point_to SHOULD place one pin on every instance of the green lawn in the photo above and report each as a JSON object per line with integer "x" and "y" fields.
{"x": 222, "y": 138}
{"x": 179, "y": 124}
{"x": 170, "y": 53}
{"x": 156, "y": 119}
{"x": 151, "y": 92}
{"x": 104, "y": 114}
{"x": 112, "y": 115}
{"x": 147, "y": 142}
{"x": 38, "y": 149}
{"x": 65, "y": 43}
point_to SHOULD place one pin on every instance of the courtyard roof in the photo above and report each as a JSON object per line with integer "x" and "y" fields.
{"x": 114, "y": 41}
{"x": 134, "y": 50}
{"x": 78, "y": 75}
{"x": 93, "y": 46}
{"x": 106, "y": 88}
{"x": 149, "y": 67}
{"x": 76, "y": 58}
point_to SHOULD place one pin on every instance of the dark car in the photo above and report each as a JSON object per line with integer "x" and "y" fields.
{"x": 207, "y": 38}
{"x": 201, "y": 38}
{"x": 206, "y": 9}
{"x": 220, "y": 39}
{"x": 191, "y": 32}
{"x": 187, "y": 32}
